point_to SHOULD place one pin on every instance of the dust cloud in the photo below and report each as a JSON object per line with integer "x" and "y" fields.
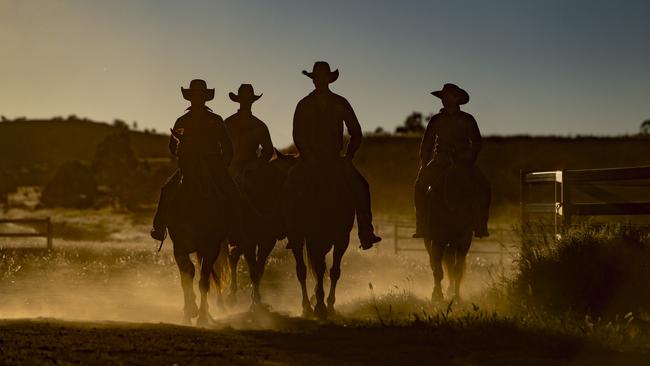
{"x": 125, "y": 278}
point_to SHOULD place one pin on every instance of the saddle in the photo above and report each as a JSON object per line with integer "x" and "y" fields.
{"x": 459, "y": 188}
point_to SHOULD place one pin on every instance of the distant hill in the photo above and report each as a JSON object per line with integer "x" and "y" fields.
{"x": 39, "y": 146}
{"x": 389, "y": 162}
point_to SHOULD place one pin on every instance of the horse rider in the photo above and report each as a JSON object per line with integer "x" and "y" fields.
{"x": 318, "y": 135}
{"x": 247, "y": 133}
{"x": 204, "y": 150}
{"x": 452, "y": 137}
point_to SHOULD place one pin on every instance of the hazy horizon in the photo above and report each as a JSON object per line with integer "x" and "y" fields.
{"x": 552, "y": 68}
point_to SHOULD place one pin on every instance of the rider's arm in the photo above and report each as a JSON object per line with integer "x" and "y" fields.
{"x": 354, "y": 129}
{"x": 474, "y": 136}
{"x": 174, "y": 141}
{"x": 265, "y": 141}
{"x": 224, "y": 141}
{"x": 428, "y": 143}
{"x": 300, "y": 131}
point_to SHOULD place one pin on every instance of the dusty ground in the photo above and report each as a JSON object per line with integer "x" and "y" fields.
{"x": 106, "y": 296}
{"x": 46, "y": 341}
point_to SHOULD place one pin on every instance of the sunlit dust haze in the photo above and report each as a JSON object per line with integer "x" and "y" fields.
{"x": 551, "y": 67}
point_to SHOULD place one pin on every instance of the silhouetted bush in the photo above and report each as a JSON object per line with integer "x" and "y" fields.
{"x": 412, "y": 124}
{"x": 596, "y": 271}
{"x": 645, "y": 128}
{"x": 115, "y": 165}
{"x": 73, "y": 186}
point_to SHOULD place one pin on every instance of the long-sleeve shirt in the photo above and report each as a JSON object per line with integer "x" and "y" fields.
{"x": 449, "y": 134}
{"x": 318, "y": 126}
{"x": 201, "y": 137}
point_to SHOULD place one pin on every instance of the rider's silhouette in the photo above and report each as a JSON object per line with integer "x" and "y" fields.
{"x": 452, "y": 137}
{"x": 318, "y": 135}
{"x": 204, "y": 150}
{"x": 247, "y": 133}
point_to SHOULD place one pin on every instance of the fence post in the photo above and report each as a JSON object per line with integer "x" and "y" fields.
{"x": 566, "y": 201}
{"x": 49, "y": 233}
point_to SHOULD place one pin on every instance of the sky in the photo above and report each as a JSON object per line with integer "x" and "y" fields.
{"x": 530, "y": 67}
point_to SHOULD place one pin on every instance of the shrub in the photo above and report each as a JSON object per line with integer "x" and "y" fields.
{"x": 73, "y": 186}
{"x": 597, "y": 271}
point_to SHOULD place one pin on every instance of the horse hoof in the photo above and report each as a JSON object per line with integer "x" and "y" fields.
{"x": 437, "y": 296}
{"x": 320, "y": 311}
{"x": 260, "y": 307}
{"x": 204, "y": 320}
{"x": 191, "y": 311}
{"x": 307, "y": 312}
{"x": 330, "y": 310}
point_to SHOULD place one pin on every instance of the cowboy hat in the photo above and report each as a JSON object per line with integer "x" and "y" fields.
{"x": 245, "y": 93}
{"x": 453, "y": 91}
{"x": 198, "y": 89}
{"x": 322, "y": 68}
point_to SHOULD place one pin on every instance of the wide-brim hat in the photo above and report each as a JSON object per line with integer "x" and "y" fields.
{"x": 198, "y": 90}
{"x": 454, "y": 92}
{"x": 322, "y": 69}
{"x": 244, "y": 93}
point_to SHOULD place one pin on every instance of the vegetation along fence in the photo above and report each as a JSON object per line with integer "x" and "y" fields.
{"x": 45, "y": 223}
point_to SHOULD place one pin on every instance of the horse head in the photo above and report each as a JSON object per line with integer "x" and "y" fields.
{"x": 284, "y": 162}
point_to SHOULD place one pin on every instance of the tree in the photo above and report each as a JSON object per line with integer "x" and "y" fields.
{"x": 115, "y": 164}
{"x": 120, "y": 124}
{"x": 412, "y": 124}
{"x": 73, "y": 186}
{"x": 645, "y": 128}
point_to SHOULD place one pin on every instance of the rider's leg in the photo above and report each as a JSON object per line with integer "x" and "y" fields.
{"x": 291, "y": 196}
{"x": 483, "y": 204}
{"x": 167, "y": 193}
{"x": 361, "y": 192}
{"x": 235, "y": 209}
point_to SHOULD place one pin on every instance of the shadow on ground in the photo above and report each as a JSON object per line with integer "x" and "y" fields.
{"x": 272, "y": 339}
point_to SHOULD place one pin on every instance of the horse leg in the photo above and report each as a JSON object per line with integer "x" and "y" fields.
{"x": 449, "y": 263}
{"x": 461, "y": 250}
{"x": 301, "y": 273}
{"x": 207, "y": 265}
{"x": 263, "y": 253}
{"x": 264, "y": 250}
{"x": 186, "y": 268}
{"x": 233, "y": 258}
{"x": 317, "y": 260}
{"x": 436, "y": 252}
{"x": 335, "y": 273}
{"x": 249, "y": 255}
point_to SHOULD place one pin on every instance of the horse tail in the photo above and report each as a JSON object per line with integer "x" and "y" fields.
{"x": 221, "y": 268}
{"x": 307, "y": 260}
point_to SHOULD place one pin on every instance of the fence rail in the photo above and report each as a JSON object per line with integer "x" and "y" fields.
{"x": 564, "y": 182}
{"x": 47, "y": 233}
{"x": 399, "y": 227}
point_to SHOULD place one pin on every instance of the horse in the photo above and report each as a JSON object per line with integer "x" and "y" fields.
{"x": 451, "y": 215}
{"x": 263, "y": 223}
{"x": 326, "y": 224}
{"x": 198, "y": 223}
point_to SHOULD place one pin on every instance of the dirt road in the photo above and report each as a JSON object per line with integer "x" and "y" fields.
{"x": 49, "y": 341}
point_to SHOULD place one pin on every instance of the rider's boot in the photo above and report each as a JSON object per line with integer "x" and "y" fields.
{"x": 367, "y": 236}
